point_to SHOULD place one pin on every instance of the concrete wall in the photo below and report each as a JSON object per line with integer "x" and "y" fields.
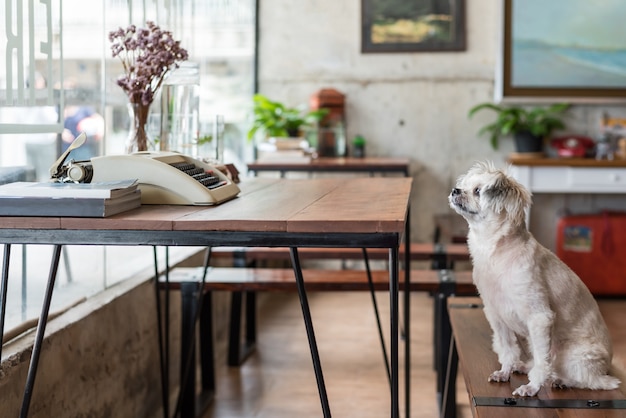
{"x": 405, "y": 104}
{"x": 101, "y": 358}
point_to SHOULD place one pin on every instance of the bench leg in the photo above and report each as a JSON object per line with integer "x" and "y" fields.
{"x": 238, "y": 352}
{"x": 438, "y": 304}
{"x": 442, "y": 331}
{"x": 189, "y": 305}
{"x": 207, "y": 351}
{"x": 188, "y": 403}
{"x": 442, "y": 343}
{"x": 250, "y": 321}
{"x": 196, "y": 306}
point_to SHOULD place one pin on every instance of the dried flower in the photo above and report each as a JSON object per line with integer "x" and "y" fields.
{"x": 147, "y": 55}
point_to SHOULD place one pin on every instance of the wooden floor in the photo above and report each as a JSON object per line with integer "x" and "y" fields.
{"x": 278, "y": 380}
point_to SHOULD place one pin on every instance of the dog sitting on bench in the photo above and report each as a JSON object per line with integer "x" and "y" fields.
{"x": 545, "y": 322}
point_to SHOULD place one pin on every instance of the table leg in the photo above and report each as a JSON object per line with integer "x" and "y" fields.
{"x": 41, "y": 329}
{"x": 321, "y": 387}
{"x": 163, "y": 360}
{"x": 3, "y": 292}
{"x": 407, "y": 314}
{"x": 393, "y": 306}
{"x": 375, "y": 304}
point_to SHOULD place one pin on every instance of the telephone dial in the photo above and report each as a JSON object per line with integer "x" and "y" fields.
{"x": 164, "y": 177}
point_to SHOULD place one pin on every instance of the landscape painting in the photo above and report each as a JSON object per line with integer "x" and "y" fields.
{"x": 413, "y": 25}
{"x": 564, "y": 48}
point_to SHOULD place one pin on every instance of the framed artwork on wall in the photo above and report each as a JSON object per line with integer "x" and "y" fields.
{"x": 572, "y": 50}
{"x": 412, "y": 26}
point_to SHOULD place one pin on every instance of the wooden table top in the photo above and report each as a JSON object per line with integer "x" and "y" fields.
{"x": 566, "y": 162}
{"x": 333, "y": 164}
{"x": 356, "y": 205}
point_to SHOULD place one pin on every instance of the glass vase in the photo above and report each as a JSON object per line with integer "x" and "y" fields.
{"x": 180, "y": 102}
{"x": 138, "y": 138}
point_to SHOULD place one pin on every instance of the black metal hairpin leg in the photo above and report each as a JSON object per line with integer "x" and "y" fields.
{"x": 380, "y": 328}
{"x": 41, "y": 329}
{"x": 407, "y": 314}
{"x": 321, "y": 387}
{"x": 3, "y": 292}
{"x": 393, "y": 307}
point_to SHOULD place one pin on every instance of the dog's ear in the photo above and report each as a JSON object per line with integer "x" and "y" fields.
{"x": 508, "y": 196}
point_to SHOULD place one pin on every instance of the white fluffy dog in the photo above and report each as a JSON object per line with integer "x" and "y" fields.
{"x": 545, "y": 321}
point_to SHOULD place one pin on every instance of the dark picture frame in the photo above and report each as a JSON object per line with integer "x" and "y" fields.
{"x": 544, "y": 60}
{"x": 412, "y": 26}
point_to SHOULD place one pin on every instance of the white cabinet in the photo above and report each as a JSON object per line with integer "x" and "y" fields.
{"x": 571, "y": 176}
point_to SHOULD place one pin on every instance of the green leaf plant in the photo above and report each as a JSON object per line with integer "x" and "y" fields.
{"x": 274, "y": 119}
{"x": 510, "y": 120}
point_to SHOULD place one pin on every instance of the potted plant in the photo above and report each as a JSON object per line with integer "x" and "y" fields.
{"x": 274, "y": 119}
{"x": 528, "y": 126}
{"x": 358, "y": 146}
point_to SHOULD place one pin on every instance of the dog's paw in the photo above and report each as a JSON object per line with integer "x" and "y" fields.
{"x": 558, "y": 384}
{"x": 499, "y": 376}
{"x": 526, "y": 390}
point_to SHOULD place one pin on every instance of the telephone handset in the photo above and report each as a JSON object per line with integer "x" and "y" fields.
{"x": 164, "y": 177}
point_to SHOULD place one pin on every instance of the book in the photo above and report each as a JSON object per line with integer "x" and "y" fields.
{"x": 102, "y": 190}
{"x": 68, "y": 206}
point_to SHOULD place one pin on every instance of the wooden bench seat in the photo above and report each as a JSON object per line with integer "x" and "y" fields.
{"x": 472, "y": 336}
{"x": 443, "y": 256}
{"x": 236, "y": 279}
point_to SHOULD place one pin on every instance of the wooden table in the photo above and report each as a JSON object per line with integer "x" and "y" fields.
{"x": 334, "y": 164}
{"x": 359, "y": 212}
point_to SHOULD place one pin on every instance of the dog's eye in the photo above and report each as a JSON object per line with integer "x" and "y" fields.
{"x": 477, "y": 191}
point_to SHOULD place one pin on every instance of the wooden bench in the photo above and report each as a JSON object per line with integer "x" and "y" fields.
{"x": 472, "y": 343}
{"x": 237, "y": 280}
{"x": 442, "y": 256}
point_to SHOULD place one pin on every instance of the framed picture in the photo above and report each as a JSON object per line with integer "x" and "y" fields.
{"x": 412, "y": 26}
{"x": 571, "y": 50}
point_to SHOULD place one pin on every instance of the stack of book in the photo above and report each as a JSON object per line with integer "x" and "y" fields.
{"x": 98, "y": 199}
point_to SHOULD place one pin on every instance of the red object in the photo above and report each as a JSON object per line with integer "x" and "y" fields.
{"x": 594, "y": 246}
{"x": 332, "y": 100}
{"x": 573, "y": 145}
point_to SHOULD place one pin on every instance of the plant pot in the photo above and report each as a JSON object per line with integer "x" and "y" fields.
{"x": 358, "y": 151}
{"x": 525, "y": 142}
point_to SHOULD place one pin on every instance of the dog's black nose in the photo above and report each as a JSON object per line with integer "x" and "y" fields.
{"x": 456, "y": 191}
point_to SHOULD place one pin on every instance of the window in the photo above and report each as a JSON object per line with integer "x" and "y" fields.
{"x": 44, "y": 98}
